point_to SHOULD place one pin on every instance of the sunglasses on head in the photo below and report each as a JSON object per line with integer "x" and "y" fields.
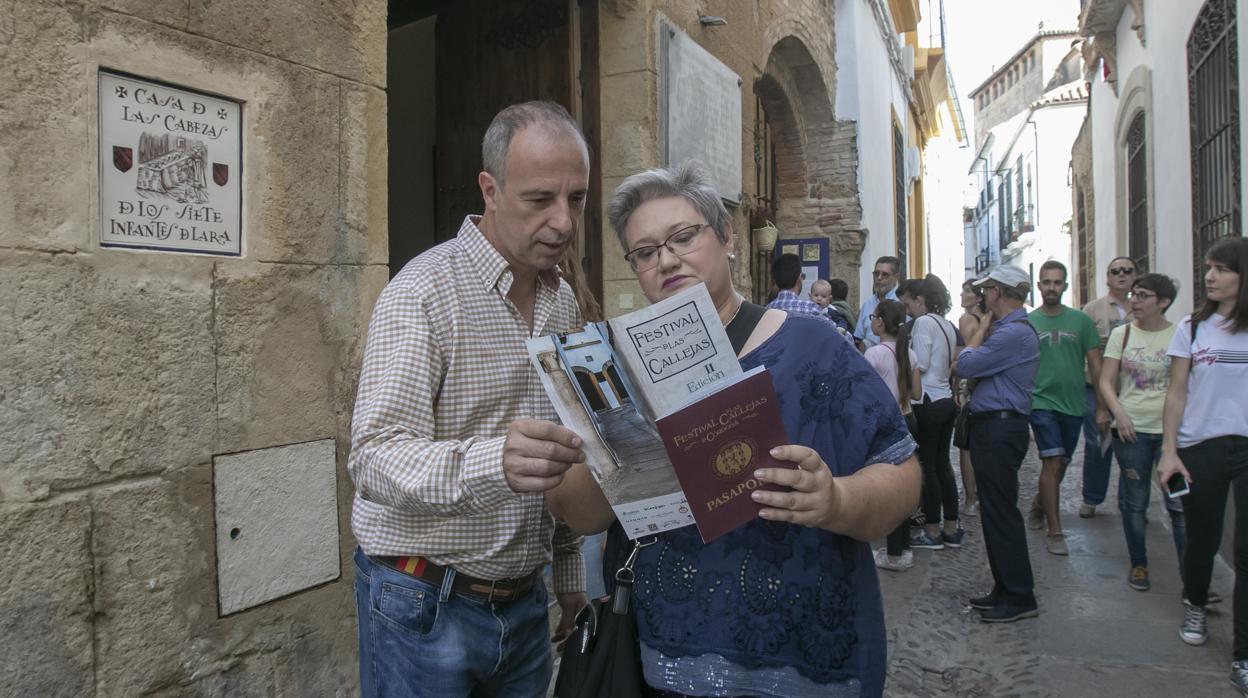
{"x": 1121, "y": 271}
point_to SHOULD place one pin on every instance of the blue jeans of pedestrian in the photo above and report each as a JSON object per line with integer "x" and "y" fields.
{"x": 1056, "y": 433}
{"x": 1096, "y": 467}
{"x": 417, "y": 639}
{"x": 591, "y": 551}
{"x": 1136, "y": 460}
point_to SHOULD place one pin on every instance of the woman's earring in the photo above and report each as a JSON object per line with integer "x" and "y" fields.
{"x": 732, "y": 255}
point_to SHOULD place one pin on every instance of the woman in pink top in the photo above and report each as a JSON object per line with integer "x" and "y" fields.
{"x": 896, "y": 363}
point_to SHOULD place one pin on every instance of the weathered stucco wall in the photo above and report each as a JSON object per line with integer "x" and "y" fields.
{"x": 1167, "y": 27}
{"x": 122, "y": 373}
{"x": 879, "y": 102}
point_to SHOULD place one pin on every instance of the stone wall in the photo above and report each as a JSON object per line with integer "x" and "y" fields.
{"x": 123, "y": 373}
{"x": 1016, "y": 98}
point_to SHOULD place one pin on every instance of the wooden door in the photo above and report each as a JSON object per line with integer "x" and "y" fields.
{"x": 489, "y": 55}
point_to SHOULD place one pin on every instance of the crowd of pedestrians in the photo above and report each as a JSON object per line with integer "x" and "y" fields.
{"x": 1165, "y": 399}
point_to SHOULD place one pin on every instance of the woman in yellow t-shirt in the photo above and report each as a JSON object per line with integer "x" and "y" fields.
{"x": 1134, "y": 376}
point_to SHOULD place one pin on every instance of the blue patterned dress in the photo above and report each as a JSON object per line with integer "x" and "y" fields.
{"x": 775, "y": 609}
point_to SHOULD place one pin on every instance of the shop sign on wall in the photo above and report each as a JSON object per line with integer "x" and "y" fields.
{"x": 170, "y": 168}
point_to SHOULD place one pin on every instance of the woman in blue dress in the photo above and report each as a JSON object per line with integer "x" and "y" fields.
{"x": 788, "y": 605}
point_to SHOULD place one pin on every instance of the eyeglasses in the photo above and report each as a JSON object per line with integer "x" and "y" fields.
{"x": 1141, "y": 295}
{"x": 679, "y": 243}
{"x": 1122, "y": 271}
{"x": 881, "y": 273}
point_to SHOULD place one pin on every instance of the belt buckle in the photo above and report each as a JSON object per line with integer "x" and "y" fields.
{"x": 493, "y": 586}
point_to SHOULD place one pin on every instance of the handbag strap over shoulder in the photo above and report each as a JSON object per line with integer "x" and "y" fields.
{"x": 948, "y": 341}
{"x": 1122, "y": 353}
{"x": 743, "y": 324}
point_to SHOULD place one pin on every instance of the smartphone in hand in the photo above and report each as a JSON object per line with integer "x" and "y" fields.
{"x": 1177, "y": 485}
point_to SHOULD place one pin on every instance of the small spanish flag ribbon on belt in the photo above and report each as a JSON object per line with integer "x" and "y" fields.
{"x": 412, "y": 565}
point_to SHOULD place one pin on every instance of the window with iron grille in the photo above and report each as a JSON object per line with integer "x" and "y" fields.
{"x": 1021, "y": 205}
{"x": 1007, "y": 222}
{"x": 1003, "y": 235}
{"x": 1212, "y": 85}
{"x": 1137, "y": 195}
{"x": 1086, "y": 275}
{"x": 899, "y": 192}
{"x": 764, "y": 158}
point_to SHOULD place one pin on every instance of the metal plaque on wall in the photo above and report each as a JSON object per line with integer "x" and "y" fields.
{"x": 170, "y": 168}
{"x": 701, "y": 105}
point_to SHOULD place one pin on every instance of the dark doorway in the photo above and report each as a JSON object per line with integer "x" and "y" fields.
{"x": 453, "y": 65}
{"x": 411, "y": 132}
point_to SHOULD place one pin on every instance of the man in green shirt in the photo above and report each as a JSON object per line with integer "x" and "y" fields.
{"x": 1068, "y": 339}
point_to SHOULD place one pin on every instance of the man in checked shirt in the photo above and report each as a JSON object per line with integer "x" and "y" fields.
{"x": 452, "y": 439}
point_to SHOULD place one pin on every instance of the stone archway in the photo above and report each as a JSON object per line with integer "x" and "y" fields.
{"x": 816, "y": 157}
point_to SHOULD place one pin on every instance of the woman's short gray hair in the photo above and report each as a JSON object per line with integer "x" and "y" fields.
{"x": 688, "y": 179}
{"x": 508, "y": 122}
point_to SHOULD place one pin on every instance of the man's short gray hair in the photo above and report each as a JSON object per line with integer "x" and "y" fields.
{"x": 1018, "y": 293}
{"x": 508, "y": 122}
{"x": 689, "y": 180}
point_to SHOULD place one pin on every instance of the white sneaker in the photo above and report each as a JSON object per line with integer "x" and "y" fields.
{"x": 883, "y": 561}
{"x": 971, "y": 509}
{"x": 1239, "y": 676}
{"x": 1195, "y": 628}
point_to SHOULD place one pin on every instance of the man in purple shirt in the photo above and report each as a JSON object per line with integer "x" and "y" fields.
{"x": 1002, "y": 358}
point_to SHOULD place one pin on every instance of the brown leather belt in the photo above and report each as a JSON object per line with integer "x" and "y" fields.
{"x": 487, "y": 589}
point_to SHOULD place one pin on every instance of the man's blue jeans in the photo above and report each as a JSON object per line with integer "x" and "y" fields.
{"x": 420, "y": 640}
{"x": 591, "y": 551}
{"x": 1095, "y": 466}
{"x": 1136, "y": 461}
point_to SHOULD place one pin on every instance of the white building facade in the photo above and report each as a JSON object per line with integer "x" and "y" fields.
{"x": 897, "y": 93}
{"x": 1166, "y": 136}
{"x": 1027, "y": 115}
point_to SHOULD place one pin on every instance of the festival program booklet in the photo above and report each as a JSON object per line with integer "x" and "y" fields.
{"x": 662, "y": 386}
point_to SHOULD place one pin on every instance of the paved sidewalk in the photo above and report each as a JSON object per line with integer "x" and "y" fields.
{"x": 1095, "y": 635}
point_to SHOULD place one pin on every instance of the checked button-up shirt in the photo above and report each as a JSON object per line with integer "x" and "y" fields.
{"x": 789, "y": 302}
{"x": 445, "y": 372}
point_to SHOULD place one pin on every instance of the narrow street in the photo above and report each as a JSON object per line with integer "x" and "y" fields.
{"x": 1095, "y": 635}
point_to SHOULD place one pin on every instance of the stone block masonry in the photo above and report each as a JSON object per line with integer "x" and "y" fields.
{"x": 124, "y": 373}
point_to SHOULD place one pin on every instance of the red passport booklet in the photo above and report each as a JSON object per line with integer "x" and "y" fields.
{"x": 715, "y": 446}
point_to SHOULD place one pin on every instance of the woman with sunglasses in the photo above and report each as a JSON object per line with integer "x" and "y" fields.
{"x": 897, "y": 364}
{"x": 1205, "y": 439}
{"x": 1134, "y": 376}
{"x": 787, "y": 605}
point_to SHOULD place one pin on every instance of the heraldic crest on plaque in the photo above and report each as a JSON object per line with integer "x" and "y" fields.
{"x": 169, "y": 164}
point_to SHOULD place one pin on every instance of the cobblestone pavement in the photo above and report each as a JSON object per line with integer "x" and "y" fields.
{"x": 1095, "y": 635}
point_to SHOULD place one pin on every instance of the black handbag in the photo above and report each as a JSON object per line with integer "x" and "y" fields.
{"x": 962, "y": 428}
{"x": 602, "y": 657}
